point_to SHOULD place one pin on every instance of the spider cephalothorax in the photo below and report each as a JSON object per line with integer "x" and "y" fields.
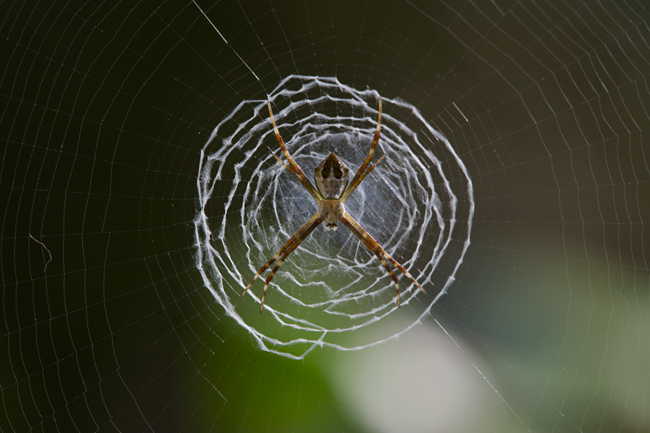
{"x": 331, "y": 178}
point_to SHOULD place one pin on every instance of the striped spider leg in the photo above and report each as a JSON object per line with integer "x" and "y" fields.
{"x": 331, "y": 192}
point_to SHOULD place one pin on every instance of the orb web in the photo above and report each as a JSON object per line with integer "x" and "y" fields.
{"x": 331, "y": 291}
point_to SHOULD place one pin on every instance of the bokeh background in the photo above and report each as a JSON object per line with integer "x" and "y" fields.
{"x": 105, "y": 108}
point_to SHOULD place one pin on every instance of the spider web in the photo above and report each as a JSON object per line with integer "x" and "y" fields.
{"x": 140, "y": 195}
{"x": 332, "y": 290}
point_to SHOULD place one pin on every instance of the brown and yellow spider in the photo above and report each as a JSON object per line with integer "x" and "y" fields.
{"x": 331, "y": 178}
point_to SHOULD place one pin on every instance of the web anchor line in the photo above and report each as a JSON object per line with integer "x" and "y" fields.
{"x": 231, "y": 47}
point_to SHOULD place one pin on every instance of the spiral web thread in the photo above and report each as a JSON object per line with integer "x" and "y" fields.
{"x": 418, "y": 205}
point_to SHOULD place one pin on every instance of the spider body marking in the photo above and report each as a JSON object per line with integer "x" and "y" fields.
{"x": 331, "y": 178}
{"x": 332, "y": 190}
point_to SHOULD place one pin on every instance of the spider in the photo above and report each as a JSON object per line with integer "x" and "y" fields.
{"x": 331, "y": 192}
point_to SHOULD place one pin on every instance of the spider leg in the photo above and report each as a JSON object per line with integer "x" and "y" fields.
{"x": 356, "y": 180}
{"x": 297, "y": 171}
{"x": 390, "y": 271}
{"x": 288, "y": 167}
{"x": 374, "y": 246}
{"x": 404, "y": 271}
{"x": 306, "y": 232}
{"x": 365, "y": 173}
{"x": 292, "y": 239}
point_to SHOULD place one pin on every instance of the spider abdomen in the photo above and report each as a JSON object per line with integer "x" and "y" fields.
{"x": 331, "y": 211}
